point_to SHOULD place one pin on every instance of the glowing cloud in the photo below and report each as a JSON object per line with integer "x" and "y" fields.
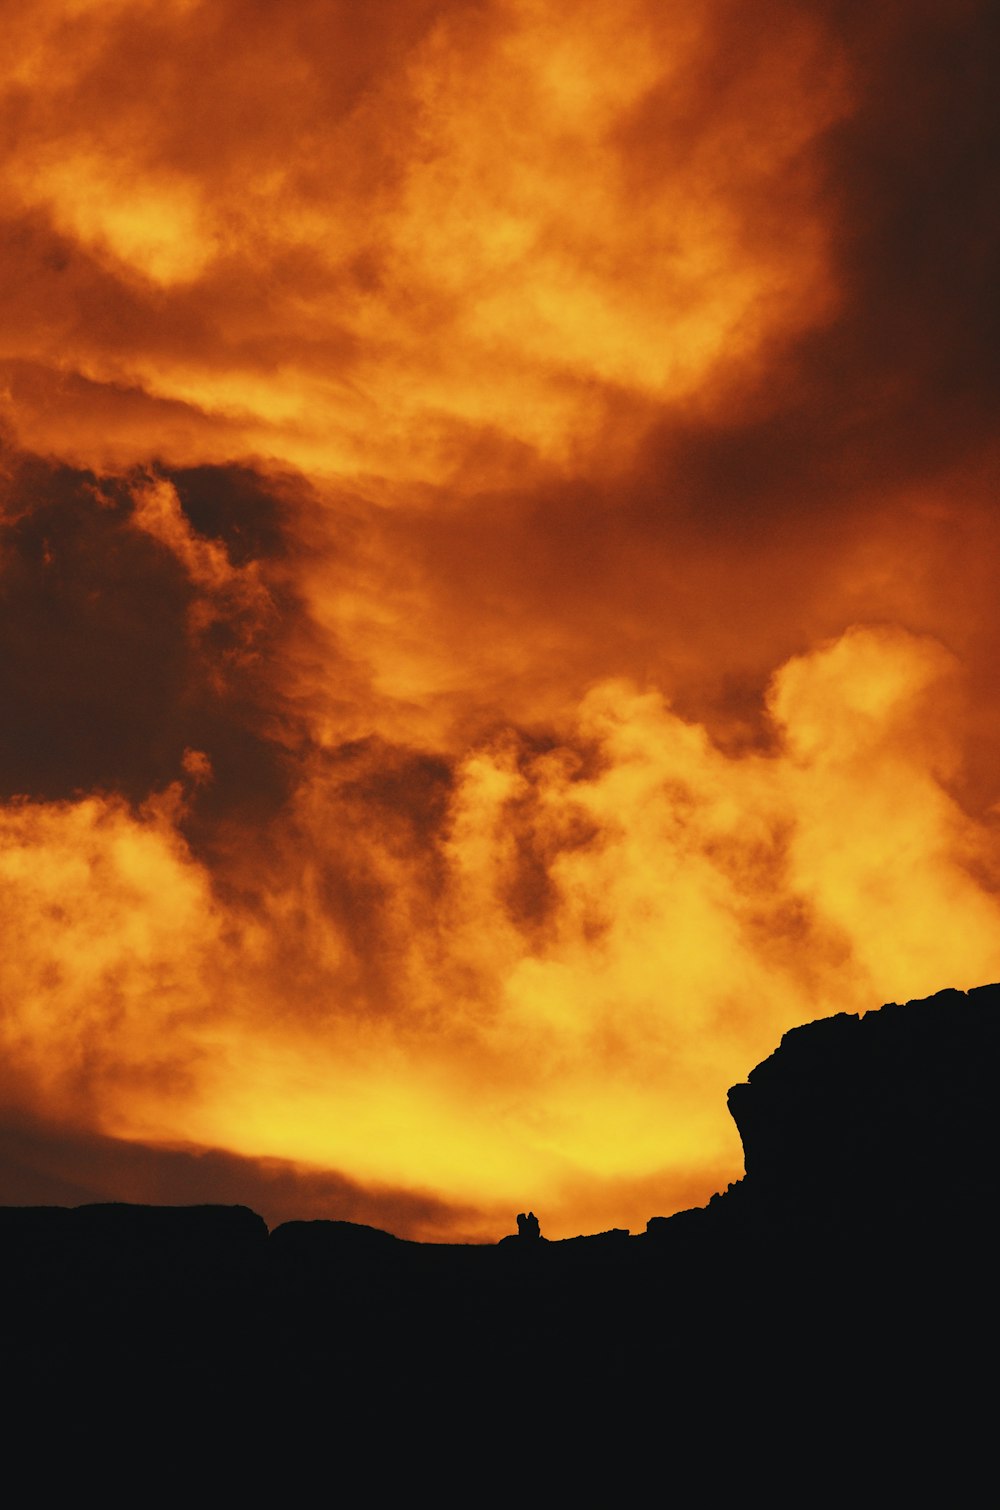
{"x": 497, "y": 580}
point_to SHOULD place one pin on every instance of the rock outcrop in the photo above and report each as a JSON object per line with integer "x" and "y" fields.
{"x": 876, "y": 1125}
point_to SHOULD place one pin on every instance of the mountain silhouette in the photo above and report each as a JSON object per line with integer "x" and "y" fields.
{"x": 853, "y": 1262}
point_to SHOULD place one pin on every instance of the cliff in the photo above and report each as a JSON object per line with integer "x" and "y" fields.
{"x": 880, "y": 1122}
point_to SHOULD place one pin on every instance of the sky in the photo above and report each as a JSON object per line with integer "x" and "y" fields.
{"x": 498, "y": 558}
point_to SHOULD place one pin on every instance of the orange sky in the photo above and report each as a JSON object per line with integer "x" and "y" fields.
{"x": 497, "y": 585}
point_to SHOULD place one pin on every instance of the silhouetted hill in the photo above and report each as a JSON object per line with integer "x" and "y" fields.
{"x": 880, "y": 1129}
{"x": 856, "y": 1254}
{"x": 878, "y": 1118}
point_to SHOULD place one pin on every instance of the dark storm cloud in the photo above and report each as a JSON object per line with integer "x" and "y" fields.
{"x": 406, "y": 789}
{"x": 103, "y": 683}
{"x": 916, "y": 173}
{"x": 235, "y": 505}
{"x": 95, "y": 659}
{"x": 903, "y": 382}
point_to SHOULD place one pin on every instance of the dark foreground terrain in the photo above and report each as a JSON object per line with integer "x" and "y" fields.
{"x": 837, "y": 1305}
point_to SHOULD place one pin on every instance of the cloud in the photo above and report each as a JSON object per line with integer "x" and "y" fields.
{"x": 540, "y": 969}
{"x": 497, "y": 574}
{"x": 131, "y": 637}
{"x": 358, "y": 244}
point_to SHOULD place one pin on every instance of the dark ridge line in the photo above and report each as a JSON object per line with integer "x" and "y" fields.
{"x": 792, "y": 1157}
